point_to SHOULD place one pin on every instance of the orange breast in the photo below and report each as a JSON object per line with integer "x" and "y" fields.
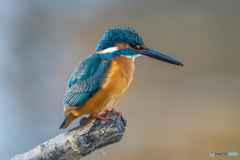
{"x": 117, "y": 82}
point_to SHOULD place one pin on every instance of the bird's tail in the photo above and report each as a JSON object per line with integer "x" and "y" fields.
{"x": 67, "y": 120}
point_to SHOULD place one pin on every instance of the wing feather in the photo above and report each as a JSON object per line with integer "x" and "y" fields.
{"x": 85, "y": 81}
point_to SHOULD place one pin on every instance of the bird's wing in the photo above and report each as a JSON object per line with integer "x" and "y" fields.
{"x": 85, "y": 81}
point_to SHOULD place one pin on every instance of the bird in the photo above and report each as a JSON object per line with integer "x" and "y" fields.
{"x": 99, "y": 81}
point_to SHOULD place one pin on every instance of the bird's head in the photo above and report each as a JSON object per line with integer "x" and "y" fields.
{"x": 126, "y": 41}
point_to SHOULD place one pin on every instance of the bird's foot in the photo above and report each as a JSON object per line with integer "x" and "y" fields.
{"x": 118, "y": 113}
{"x": 107, "y": 111}
{"x": 99, "y": 116}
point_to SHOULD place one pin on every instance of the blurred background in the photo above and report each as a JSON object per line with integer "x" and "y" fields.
{"x": 172, "y": 112}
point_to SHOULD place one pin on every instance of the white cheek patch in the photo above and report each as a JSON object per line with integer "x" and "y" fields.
{"x": 108, "y": 50}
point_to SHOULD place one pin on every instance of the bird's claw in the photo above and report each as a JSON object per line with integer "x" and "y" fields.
{"x": 107, "y": 111}
{"x": 99, "y": 117}
{"x": 103, "y": 114}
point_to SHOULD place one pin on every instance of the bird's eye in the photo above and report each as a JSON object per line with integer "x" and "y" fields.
{"x": 138, "y": 46}
{"x": 135, "y": 46}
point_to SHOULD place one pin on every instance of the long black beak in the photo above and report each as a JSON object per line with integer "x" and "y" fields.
{"x": 157, "y": 55}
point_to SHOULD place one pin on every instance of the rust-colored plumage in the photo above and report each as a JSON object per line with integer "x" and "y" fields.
{"x": 119, "y": 78}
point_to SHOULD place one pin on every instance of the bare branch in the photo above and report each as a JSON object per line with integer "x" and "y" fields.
{"x": 80, "y": 141}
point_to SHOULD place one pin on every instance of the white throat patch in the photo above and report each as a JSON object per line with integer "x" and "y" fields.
{"x": 108, "y": 50}
{"x": 133, "y": 57}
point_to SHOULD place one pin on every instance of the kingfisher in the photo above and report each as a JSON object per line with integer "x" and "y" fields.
{"x": 99, "y": 81}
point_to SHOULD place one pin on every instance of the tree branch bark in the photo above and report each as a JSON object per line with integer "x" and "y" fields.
{"x": 80, "y": 141}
